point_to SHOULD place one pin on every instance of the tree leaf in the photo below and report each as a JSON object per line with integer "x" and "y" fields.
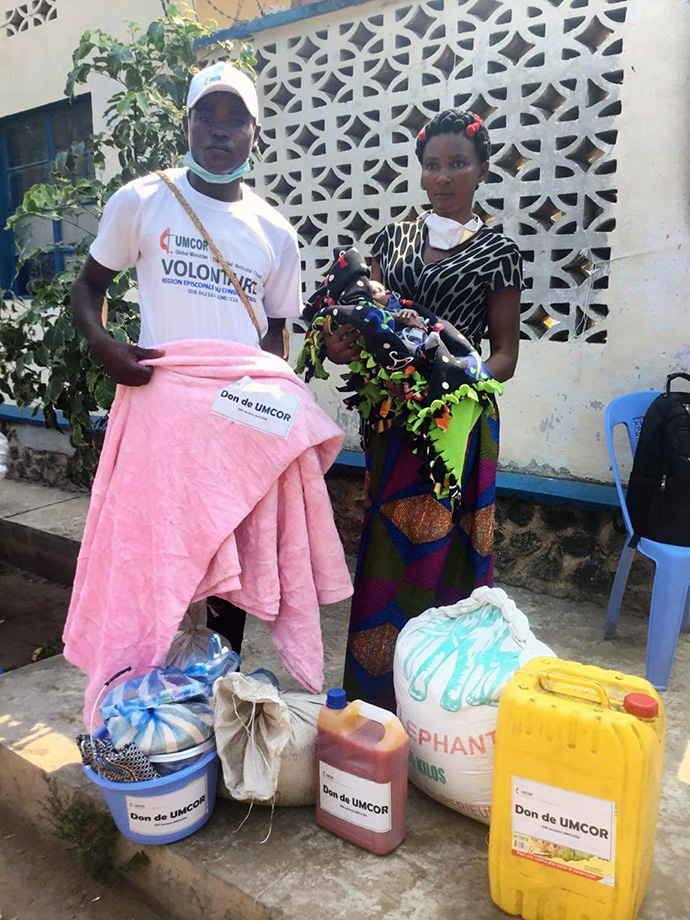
{"x": 54, "y": 338}
{"x": 54, "y": 388}
{"x": 117, "y": 56}
{"x": 125, "y": 103}
{"x": 77, "y": 435}
{"x": 23, "y": 235}
{"x": 156, "y": 33}
{"x": 133, "y": 79}
{"x": 105, "y": 392}
{"x": 92, "y": 376}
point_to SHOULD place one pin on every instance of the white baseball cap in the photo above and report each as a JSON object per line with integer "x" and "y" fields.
{"x": 223, "y": 78}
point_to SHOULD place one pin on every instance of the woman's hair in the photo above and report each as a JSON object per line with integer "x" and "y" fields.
{"x": 453, "y": 121}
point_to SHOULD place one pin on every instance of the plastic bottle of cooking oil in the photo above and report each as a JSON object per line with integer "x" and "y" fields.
{"x": 579, "y": 752}
{"x": 362, "y": 773}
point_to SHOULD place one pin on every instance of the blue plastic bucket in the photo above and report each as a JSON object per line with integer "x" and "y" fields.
{"x": 163, "y": 810}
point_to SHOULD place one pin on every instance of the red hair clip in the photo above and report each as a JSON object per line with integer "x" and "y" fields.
{"x": 472, "y": 129}
{"x": 422, "y": 135}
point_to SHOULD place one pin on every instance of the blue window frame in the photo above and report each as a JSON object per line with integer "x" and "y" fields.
{"x": 29, "y": 143}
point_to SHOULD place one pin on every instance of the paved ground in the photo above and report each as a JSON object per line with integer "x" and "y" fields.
{"x": 439, "y": 873}
{"x": 303, "y": 872}
{"x": 65, "y": 891}
{"x": 32, "y": 614}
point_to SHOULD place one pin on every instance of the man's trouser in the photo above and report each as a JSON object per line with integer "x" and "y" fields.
{"x": 228, "y": 620}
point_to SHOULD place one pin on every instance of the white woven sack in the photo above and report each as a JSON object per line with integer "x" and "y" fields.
{"x": 451, "y": 664}
{"x": 266, "y": 741}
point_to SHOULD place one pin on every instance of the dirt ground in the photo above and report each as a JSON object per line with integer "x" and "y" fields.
{"x": 32, "y": 614}
{"x": 38, "y": 882}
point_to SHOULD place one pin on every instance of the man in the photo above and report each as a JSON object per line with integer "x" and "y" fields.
{"x": 184, "y": 293}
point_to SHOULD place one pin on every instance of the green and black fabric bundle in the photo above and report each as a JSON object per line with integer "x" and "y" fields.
{"x": 445, "y": 385}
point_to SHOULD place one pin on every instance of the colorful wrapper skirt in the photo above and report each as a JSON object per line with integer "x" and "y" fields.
{"x": 413, "y": 555}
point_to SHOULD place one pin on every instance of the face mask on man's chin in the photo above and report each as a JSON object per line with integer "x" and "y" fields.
{"x": 215, "y": 178}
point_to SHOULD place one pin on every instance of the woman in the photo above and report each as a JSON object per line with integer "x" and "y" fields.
{"x": 413, "y": 554}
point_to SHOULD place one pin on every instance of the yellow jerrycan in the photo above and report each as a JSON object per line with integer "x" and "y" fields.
{"x": 579, "y": 752}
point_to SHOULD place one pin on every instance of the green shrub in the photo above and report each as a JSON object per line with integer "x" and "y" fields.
{"x": 44, "y": 359}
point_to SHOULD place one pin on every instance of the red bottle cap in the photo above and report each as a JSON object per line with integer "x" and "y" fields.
{"x": 641, "y": 705}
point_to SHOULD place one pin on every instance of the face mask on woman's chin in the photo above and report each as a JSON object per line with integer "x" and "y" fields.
{"x": 445, "y": 233}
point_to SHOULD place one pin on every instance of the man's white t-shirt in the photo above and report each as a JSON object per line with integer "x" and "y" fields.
{"x": 183, "y": 291}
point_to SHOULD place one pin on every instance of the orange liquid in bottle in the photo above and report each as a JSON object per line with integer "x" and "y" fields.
{"x": 362, "y": 774}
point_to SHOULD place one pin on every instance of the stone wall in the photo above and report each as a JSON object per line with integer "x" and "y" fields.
{"x": 34, "y": 463}
{"x": 557, "y": 550}
{"x": 563, "y": 551}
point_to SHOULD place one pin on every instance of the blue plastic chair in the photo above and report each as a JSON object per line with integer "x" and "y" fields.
{"x": 670, "y": 610}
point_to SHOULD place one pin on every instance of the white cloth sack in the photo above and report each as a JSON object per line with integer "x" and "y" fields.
{"x": 266, "y": 740}
{"x": 451, "y": 664}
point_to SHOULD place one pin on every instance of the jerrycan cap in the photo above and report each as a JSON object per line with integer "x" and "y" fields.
{"x": 336, "y": 698}
{"x": 641, "y": 705}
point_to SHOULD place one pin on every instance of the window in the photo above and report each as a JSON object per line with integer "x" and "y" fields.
{"x": 29, "y": 143}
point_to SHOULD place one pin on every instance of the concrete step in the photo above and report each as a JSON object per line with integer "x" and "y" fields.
{"x": 224, "y": 872}
{"x": 228, "y": 872}
{"x": 41, "y": 528}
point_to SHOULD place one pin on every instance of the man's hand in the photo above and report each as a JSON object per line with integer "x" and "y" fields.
{"x": 340, "y": 345}
{"x": 121, "y": 361}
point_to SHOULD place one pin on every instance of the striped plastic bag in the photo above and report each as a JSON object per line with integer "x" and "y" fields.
{"x": 162, "y": 712}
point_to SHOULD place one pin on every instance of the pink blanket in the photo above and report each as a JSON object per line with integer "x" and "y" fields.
{"x": 188, "y": 504}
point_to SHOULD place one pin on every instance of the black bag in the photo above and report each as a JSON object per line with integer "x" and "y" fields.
{"x": 658, "y": 496}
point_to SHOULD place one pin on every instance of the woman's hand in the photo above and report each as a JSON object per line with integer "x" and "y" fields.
{"x": 411, "y": 319}
{"x": 396, "y": 390}
{"x": 340, "y": 345}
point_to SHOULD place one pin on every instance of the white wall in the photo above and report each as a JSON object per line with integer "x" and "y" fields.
{"x": 512, "y": 55}
{"x": 552, "y": 412}
{"x": 35, "y": 63}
